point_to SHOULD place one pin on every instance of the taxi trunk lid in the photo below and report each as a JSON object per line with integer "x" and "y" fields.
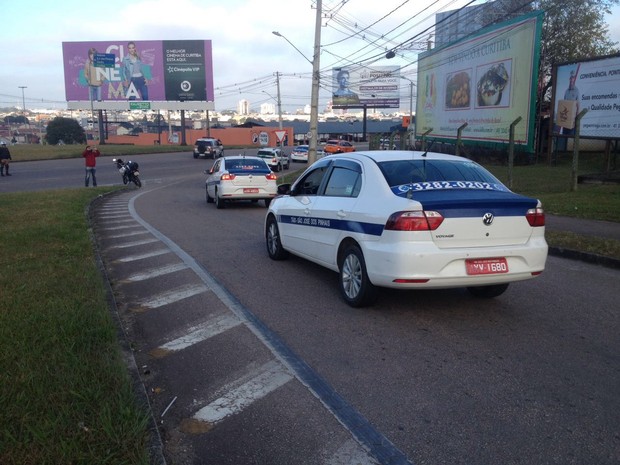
{"x": 478, "y": 218}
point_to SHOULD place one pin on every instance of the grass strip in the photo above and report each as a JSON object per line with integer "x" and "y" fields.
{"x": 65, "y": 390}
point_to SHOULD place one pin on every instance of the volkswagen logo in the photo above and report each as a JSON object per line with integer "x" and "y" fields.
{"x": 487, "y": 219}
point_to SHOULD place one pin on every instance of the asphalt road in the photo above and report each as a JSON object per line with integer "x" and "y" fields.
{"x": 250, "y": 361}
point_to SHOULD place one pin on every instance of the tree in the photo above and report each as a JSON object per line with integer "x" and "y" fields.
{"x": 67, "y": 130}
{"x": 572, "y": 31}
{"x": 16, "y": 119}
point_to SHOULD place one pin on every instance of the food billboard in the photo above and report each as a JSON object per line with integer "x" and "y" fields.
{"x": 141, "y": 70}
{"x": 482, "y": 84}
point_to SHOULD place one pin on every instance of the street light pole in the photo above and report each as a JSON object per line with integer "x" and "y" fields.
{"x": 279, "y": 101}
{"x": 410, "y": 97}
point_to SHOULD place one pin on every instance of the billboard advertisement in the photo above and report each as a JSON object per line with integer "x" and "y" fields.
{"x": 482, "y": 83}
{"x": 376, "y": 87}
{"x": 593, "y": 85}
{"x": 143, "y": 70}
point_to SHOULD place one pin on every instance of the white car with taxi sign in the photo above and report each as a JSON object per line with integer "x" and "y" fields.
{"x": 240, "y": 178}
{"x": 408, "y": 220}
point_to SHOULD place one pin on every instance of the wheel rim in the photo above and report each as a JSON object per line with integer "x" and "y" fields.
{"x": 272, "y": 238}
{"x": 351, "y": 276}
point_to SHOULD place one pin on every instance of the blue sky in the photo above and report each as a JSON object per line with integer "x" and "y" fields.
{"x": 244, "y": 48}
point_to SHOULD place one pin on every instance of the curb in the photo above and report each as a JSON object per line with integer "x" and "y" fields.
{"x": 585, "y": 257}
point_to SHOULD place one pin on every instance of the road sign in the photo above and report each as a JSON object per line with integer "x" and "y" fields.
{"x": 104, "y": 60}
{"x": 139, "y": 105}
{"x": 280, "y": 135}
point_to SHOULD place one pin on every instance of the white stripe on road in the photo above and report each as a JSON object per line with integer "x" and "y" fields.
{"x": 173, "y": 296}
{"x": 200, "y": 333}
{"x": 129, "y": 234}
{"x": 272, "y": 375}
{"x": 133, "y": 244}
{"x": 127, "y": 226}
{"x": 133, "y": 258}
{"x": 152, "y": 273}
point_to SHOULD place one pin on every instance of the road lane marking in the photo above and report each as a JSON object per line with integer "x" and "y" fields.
{"x": 116, "y": 228}
{"x": 133, "y": 258}
{"x": 170, "y": 297}
{"x": 134, "y": 244}
{"x": 154, "y": 272}
{"x": 196, "y": 334}
{"x": 271, "y": 376}
{"x": 128, "y": 234}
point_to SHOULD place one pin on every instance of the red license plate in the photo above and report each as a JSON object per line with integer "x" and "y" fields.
{"x": 486, "y": 265}
{"x": 250, "y": 190}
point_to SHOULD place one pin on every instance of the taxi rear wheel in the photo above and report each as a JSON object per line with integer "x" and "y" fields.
{"x": 219, "y": 202}
{"x": 355, "y": 286}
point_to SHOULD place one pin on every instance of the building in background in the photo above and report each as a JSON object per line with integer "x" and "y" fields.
{"x": 243, "y": 107}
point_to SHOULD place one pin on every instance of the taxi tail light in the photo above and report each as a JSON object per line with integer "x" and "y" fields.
{"x": 414, "y": 221}
{"x": 271, "y": 177}
{"x": 535, "y": 217}
{"x": 227, "y": 177}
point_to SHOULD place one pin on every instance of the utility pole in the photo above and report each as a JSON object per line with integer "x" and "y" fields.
{"x": 23, "y": 101}
{"x": 279, "y": 100}
{"x": 314, "y": 97}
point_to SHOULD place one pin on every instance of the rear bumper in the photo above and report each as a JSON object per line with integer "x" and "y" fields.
{"x": 422, "y": 265}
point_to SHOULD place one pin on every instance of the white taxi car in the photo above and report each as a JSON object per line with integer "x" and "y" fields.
{"x": 300, "y": 153}
{"x": 240, "y": 178}
{"x": 408, "y": 220}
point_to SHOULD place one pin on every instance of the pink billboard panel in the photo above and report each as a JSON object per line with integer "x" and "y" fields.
{"x": 152, "y": 70}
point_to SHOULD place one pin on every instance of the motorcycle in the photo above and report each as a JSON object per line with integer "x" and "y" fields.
{"x": 129, "y": 171}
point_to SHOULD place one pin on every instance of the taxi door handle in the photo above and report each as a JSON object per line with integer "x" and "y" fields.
{"x": 341, "y": 213}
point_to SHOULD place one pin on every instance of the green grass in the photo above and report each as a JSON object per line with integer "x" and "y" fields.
{"x": 65, "y": 392}
{"x": 551, "y": 184}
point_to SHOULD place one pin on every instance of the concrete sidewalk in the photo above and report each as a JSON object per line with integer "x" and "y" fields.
{"x": 601, "y": 229}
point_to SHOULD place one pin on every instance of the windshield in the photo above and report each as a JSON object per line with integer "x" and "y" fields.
{"x": 438, "y": 174}
{"x": 247, "y": 166}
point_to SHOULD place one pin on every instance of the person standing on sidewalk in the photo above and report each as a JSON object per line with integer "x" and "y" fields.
{"x": 5, "y": 158}
{"x": 90, "y": 160}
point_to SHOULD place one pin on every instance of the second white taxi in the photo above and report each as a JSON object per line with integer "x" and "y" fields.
{"x": 408, "y": 220}
{"x": 240, "y": 178}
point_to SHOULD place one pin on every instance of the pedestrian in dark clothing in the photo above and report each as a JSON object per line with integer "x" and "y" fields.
{"x": 5, "y": 158}
{"x": 90, "y": 160}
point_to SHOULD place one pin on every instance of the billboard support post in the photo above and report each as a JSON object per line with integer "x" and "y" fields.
{"x": 576, "y": 149}
{"x": 459, "y": 136}
{"x": 511, "y": 150}
{"x": 424, "y": 138}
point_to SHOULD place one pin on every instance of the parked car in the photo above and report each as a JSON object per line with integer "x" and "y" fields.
{"x": 408, "y": 220}
{"x": 208, "y": 147}
{"x": 275, "y": 158}
{"x": 240, "y": 178}
{"x": 338, "y": 146}
{"x": 300, "y": 153}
